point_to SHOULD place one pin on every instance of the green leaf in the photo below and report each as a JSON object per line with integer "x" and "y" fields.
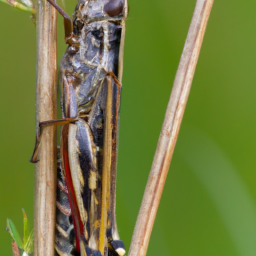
{"x": 14, "y": 233}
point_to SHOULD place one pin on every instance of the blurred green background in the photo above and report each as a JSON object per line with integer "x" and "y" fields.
{"x": 209, "y": 201}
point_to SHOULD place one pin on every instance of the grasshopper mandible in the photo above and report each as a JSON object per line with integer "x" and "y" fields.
{"x": 90, "y": 81}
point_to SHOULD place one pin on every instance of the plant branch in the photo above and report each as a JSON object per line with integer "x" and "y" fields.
{"x": 170, "y": 129}
{"x": 46, "y": 109}
{"x": 19, "y": 6}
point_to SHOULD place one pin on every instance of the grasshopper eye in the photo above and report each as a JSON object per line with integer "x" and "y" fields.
{"x": 114, "y": 7}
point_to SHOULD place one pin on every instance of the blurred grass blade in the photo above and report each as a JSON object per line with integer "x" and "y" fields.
{"x": 225, "y": 187}
{"x": 14, "y": 233}
{"x": 25, "y": 222}
{"x": 28, "y": 246}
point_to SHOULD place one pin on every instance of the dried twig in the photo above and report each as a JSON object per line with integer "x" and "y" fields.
{"x": 170, "y": 129}
{"x": 46, "y": 103}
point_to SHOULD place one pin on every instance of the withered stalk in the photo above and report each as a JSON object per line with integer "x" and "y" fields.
{"x": 46, "y": 109}
{"x": 170, "y": 129}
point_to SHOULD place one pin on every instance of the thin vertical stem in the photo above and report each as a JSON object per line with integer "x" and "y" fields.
{"x": 46, "y": 109}
{"x": 170, "y": 129}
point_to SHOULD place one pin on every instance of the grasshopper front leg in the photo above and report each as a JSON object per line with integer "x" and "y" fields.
{"x": 68, "y": 25}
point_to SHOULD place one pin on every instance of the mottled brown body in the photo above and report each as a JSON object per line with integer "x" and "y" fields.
{"x": 64, "y": 231}
{"x": 90, "y": 75}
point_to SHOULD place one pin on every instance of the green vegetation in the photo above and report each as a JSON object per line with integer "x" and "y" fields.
{"x": 25, "y": 245}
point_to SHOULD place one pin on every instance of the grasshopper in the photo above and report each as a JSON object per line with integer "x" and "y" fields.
{"x": 90, "y": 82}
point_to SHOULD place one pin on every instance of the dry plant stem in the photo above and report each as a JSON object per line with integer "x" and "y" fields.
{"x": 170, "y": 129}
{"x": 15, "y": 249}
{"x": 46, "y": 109}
